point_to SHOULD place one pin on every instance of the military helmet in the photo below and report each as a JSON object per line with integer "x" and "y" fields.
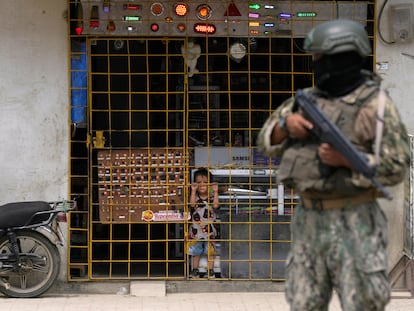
{"x": 337, "y": 36}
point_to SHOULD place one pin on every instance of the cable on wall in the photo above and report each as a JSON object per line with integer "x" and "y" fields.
{"x": 379, "y": 24}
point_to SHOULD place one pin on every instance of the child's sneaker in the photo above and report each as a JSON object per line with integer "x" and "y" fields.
{"x": 211, "y": 274}
{"x": 195, "y": 273}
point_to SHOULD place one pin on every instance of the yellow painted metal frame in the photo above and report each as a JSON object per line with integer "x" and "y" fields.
{"x": 84, "y": 140}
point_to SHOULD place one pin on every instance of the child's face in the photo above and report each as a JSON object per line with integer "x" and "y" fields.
{"x": 202, "y": 182}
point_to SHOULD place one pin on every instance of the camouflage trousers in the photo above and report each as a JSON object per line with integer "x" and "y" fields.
{"x": 341, "y": 249}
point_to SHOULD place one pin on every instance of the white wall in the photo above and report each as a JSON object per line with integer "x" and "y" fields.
{"x": 33, "y": 100}
{"x": 398, "y": 79}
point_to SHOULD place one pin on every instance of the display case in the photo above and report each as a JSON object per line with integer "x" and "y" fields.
{"x": 253, "y": 191}
{"x": 255, "y": 213}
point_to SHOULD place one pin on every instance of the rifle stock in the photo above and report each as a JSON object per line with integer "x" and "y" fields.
{"x": 329, "y": 133}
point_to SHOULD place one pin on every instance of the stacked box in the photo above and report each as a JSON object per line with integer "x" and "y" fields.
{"x": 141, "y": 185}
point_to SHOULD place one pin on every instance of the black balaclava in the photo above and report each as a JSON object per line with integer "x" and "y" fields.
{"x": 338, "y": 74}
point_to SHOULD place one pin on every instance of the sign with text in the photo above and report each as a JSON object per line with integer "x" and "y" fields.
{"x": 222, "y": 156}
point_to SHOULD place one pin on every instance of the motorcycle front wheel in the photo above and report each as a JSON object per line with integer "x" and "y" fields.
{"x": 39, "y": 268}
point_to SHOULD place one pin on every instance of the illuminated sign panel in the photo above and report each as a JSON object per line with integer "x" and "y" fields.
{"x": 306, "y": 14}
{"x": 181, "y": 9}
{"x": 225, "y": 18}
{"x": 254, "y": 6}
{"x": 204, "y": 28}
{"x": 157, "y": 9}
{"x": 132, "y": 18}
{"x": 132, "y": 7}
{"x": 203, "y": 12}
{"x": 285, "y": 15}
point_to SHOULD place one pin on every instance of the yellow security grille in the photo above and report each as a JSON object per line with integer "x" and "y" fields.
{"x": 156, "y": 109}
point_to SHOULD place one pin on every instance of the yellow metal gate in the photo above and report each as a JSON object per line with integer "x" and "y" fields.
{"x": 157, "y": 108}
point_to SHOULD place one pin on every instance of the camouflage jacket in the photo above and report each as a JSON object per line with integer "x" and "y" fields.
{"x": 394, "y": 149}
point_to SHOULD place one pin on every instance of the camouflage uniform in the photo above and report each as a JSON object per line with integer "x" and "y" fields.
{"x": 342, "y": 248}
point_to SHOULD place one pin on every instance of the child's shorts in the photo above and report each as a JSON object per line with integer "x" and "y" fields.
{"x": 199, "y": 248}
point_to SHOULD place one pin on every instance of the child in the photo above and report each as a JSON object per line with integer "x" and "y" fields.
{"x": 202, "y": 205}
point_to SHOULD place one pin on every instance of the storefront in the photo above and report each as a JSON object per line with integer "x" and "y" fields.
{"x": 159, "y": 89}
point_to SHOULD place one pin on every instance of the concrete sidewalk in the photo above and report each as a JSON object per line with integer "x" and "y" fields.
{"x": 242, "y": 301}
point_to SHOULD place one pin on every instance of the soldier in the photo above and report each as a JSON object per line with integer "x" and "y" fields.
{"x": 339, "y": 230}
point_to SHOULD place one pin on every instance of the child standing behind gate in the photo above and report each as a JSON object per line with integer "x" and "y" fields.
{"x": 203, "y": 202}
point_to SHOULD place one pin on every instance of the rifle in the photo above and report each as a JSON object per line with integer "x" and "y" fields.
{"x": 327, "y": 132}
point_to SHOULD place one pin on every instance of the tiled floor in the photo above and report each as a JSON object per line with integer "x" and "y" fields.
{"x": 171, "y": 302}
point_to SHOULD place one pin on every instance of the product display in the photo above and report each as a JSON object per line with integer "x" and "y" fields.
{"x": 141, "y": 185}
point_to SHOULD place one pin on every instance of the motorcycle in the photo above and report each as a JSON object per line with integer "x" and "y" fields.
{"x": 29, "y": 239}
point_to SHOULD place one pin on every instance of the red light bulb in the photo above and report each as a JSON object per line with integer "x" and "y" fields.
{"x": 78, "y": 30}
{"x": 154, "y": 27}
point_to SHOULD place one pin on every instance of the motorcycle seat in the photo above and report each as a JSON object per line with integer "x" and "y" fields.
{"x": 19, "y": 214}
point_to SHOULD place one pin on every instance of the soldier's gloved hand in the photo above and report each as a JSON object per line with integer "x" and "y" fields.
{"x": 330, "y": 156}
{"x": 298, "y": 126}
